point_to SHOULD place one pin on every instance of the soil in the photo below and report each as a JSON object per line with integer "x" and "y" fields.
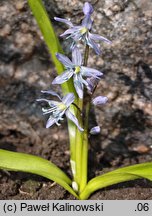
{"x": 126, "y": 120}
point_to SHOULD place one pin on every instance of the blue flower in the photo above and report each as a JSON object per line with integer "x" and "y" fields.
{"x": 99, "y": 100}
{"x": 82, "y": 32}
{"x": 57, "y": 109}
{"x": 92, "y": 84}
{"x": 74, "y": 68}
{"x": 95, "y": 130}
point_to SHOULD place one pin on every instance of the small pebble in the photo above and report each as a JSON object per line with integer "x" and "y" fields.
{"x": 6, "y": 30}
{"x": 116, "y": 8}
{"x": 142, "y": 149}
{"x": 20, "y": 5}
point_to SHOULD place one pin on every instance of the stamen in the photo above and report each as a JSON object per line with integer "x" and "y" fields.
{"x": 61, "y": 106}
{"x": 46, "y": 111}
{"x": 77, "y": 69}
{"x": 83, "y": 30}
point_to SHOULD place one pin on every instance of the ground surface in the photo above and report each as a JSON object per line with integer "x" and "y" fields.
{"x": 126, "y": 121}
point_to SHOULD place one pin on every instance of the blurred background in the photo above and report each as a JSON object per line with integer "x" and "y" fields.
{"x": 26, "y": 69}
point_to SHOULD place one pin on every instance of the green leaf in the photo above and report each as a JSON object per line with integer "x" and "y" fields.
{"x": 143, "y": 170}
{"x": 50, "y": 38}
{"x": 54, "y": 46}
{"x": 36, "y": 165}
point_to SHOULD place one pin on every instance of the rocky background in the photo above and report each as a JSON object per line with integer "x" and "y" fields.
{"x": 26, "y": 68}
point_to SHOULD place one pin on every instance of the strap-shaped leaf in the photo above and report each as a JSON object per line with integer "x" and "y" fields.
{"x": 50, "y": 38}
{"x": 120, "y": 175}
{"x": 54, "y": 46}
{"x": 36, "y": 165}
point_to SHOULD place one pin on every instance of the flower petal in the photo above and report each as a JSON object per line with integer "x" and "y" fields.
{"x": 85, "y": 82}
{"x": 63, "y": 77}
{"x": 64, "y": 21}
{"x": 99, "y": 100}
{"x": 97, "y": 37}
{"x": 92, "y": 83}
{"x": 95, "y": 130}
{"x": 73, "y": 119}
{"x": 50, "y": 122}
{"x": 93, "y": 45}
{"x": 90, "y": 72}
{"x": 76, "y": 56}
{"x": 73, "y": 32}
{"x": 51, "y": 92}
{"x": 69, "y": 31}
{"x": 87, "y": 22}
{"x": 68, "y": 99}
{"x": 78, "y": 85}
{"x": 52, "y": 103}
{"x": 87, "y": 8}
{"x": 65, "y": 60}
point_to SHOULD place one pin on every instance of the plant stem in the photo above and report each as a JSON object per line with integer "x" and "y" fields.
{"x": 86, "y": 55}
{"x": 72, "y": 134}
{"x": 84, "y": 160}
{"x": 82, "y": 142}
{"x": 78, "y": 145}
{"x": 84, "y": 169}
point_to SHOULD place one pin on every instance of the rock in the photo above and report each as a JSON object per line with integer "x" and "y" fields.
{"x": 24, "y": 42}
{"x": 6, "y": 30}
{"x": 20, "y": 5}
{"x": 116, "y": 8}
{"x": 8, "y": 52}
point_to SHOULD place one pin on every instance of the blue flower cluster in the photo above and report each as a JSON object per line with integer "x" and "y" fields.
{"x": 82, "y": 32}
{"x": 76, "y": 70}
{"x": 82, "y": 76}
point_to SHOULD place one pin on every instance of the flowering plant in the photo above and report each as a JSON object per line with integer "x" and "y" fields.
{"x": 78, "y": 81}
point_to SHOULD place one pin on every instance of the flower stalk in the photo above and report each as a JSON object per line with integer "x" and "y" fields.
{"x": 76, "y": 69}
{"x": 82, "y": 139}
{"x": 84, "y": 161}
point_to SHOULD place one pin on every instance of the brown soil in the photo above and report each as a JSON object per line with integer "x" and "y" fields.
{"x": 26, "y": 186}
